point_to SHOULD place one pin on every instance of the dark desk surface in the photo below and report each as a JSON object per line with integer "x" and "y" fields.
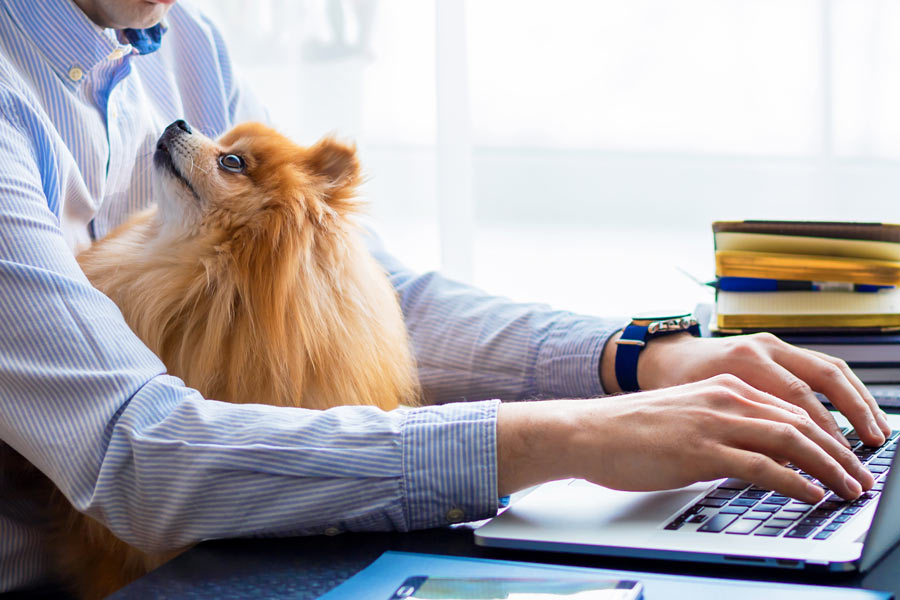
{"x": 305, "y": 568}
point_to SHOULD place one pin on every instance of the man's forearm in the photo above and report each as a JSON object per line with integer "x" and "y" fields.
{"x": 471, "y": 345}
{"x": 531, "y": 440}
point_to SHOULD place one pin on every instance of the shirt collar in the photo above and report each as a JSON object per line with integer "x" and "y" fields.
{"x": 73, "y": 44}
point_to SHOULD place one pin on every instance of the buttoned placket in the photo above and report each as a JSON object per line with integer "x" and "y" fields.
{"x": 108, "y": 98}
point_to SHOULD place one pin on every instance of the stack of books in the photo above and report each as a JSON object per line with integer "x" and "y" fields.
{"x": 826, "y": 286}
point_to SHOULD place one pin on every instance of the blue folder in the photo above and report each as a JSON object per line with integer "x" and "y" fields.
{"x": 379, "y": 580}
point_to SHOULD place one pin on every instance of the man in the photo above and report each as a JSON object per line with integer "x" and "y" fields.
{"x": 86, "y": 87}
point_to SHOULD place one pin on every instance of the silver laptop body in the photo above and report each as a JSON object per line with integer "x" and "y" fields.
{"x": 577, "y": 516}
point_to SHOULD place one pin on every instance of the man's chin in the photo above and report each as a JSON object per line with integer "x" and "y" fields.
{"x": 130, "y": 14}
{"x": 149, "y": 16}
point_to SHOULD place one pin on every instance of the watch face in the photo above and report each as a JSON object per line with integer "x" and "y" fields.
{"x": 659, "y": 315}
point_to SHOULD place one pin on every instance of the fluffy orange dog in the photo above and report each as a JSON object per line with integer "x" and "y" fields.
{"x": 251, "y": 282}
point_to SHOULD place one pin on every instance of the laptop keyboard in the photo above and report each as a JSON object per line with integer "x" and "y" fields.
{"x": 738, "y": 508}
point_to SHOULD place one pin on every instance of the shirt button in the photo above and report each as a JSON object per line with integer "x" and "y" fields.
{"x": 75, "y": 74}
{"x": 332, "y": 531}
{"x": 455, "y": 515}
{"x": 116, "y": 54}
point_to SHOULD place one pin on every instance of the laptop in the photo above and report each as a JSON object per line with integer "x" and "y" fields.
{"x": 724, "y": 521}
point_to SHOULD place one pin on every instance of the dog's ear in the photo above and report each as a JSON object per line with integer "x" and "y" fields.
{"x": 336, "y": 164}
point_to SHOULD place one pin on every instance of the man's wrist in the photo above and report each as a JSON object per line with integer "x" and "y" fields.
{"x": 648, "y": 367}
{"x": 531, "y": 442}
{"x": 608, "y": 365}
{"x": 646, "y": 364}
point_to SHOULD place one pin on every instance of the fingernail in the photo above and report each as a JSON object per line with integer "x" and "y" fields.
{"x": 867, "y": 477}
{"x": 882, "y": 421}
{"x": 843, "y": 440}
{"x": 853, "y": 486}
{"x": 875, "y": 430}
{"x": 815, "y": 492}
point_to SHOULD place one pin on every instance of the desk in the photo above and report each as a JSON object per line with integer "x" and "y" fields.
{"x": 304, "y": 568}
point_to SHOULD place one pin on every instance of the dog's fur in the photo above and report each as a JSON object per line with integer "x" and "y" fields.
{"x": 252, "y": 287}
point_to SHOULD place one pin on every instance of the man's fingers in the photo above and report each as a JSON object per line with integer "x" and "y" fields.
{"x": 828, "y": 378}
{"x": 761, "y": 470}
{"x": 782, "y": 434}
{"x": 780, "y": 383}
{"x": 880, "y": 416}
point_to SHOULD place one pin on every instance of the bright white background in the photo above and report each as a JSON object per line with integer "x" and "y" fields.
{"x": 576, "y": 151}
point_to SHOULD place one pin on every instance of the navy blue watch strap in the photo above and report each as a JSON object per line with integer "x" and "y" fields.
{"x": 629, "y": 349}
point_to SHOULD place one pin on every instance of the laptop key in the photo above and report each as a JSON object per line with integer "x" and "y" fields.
{"x": 733, "y": 484}
{"x": 863, "y": 499}
{"x": 714, "y": 502}
{"x": 743, "y": 527}
{"x": 768, "y": 531}
{"x": 779, "y": 523}
{"x": 773, "y": 500}
{"x": 718, "y": 523}
{"x": 755, "y": 494}
{"x": 800, "y": 531}
{"x": 727, "y": 494}
{"x": 788, "y": 515}
{"x": 814, "y": 521}
{"x": 697, "y": 518}
{"x": 758, "y": 515}
{"x": 842, "y": 518}
{"x": 734, "y": 510}
{"x": 744, "y": 502}
{"x": 822, "y": 535}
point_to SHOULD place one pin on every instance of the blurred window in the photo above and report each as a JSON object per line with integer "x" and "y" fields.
{"x": 587, "y": 145}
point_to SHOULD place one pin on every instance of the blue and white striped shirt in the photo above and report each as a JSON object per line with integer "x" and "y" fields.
{"x": 86, "y": 402}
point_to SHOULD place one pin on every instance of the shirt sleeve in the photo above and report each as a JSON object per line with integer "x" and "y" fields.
{"x": 470, "y": 345}
{"x": 87, "y": 403}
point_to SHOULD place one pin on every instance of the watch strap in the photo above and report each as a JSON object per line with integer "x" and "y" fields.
{"x": 628, "y": 351}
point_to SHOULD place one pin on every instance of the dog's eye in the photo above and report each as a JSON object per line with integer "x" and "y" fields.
{"x": 232, "y": 162}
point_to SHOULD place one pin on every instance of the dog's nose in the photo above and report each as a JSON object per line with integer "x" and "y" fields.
{"x": 177, "y": 127}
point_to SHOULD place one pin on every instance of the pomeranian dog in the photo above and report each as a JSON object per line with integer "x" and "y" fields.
{"x": 250, "y": 280}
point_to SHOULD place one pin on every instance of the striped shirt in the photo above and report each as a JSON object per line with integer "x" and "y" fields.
{"x": 87, "y": 403}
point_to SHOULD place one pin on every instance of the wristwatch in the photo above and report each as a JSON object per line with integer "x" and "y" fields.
{"x": 634, "y": 338}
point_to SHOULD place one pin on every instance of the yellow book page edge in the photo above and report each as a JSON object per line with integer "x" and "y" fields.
{"x": 796, "y": 244}
{"x": 806, "y": 267}
{"x": 805, "y": 321}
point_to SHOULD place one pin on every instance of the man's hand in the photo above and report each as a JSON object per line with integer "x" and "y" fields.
{"x": 766, "y": 363}
{"x": 669, "y": 438}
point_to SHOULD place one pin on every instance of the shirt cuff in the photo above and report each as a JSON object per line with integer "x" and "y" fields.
{"x": 450, "y": 463}
{"x": 568, "y": 361}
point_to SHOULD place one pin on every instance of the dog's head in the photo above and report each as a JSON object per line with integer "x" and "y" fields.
{"x": 249, "y": 177}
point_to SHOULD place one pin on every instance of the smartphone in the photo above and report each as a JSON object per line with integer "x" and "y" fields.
{"x": 422, "y": 587}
